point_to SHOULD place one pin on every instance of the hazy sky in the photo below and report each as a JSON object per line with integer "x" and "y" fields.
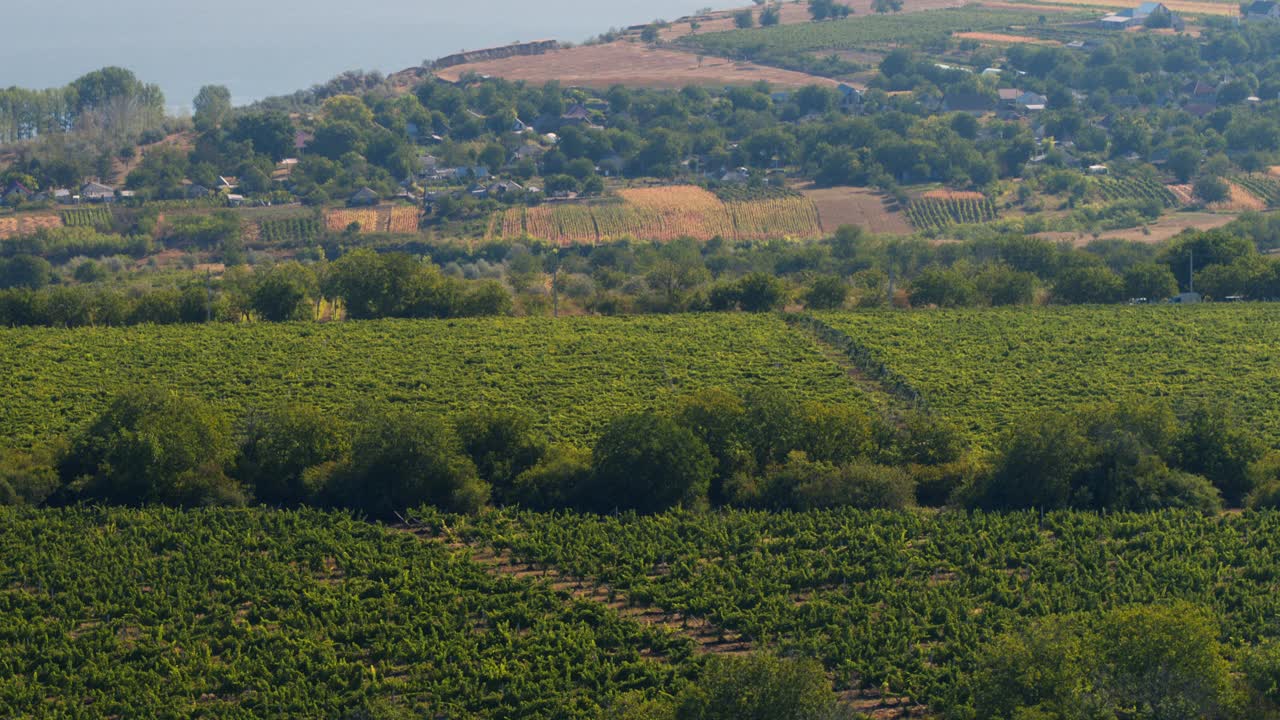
{"x": 273, "y": 47}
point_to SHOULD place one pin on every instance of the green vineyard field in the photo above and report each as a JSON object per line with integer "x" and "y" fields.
{"x": 290, "y": 231}
{"x": 1263, "y": 187}
{"x": 573, "y": 374}
{"x": 936, "y": 213}
{"x": 905, "y": 600}
{"x": 987, "y": 369}
{"x": 87, "y": 217}
{"x": 239, "y": 614}
{"x": 1132, "y": 187}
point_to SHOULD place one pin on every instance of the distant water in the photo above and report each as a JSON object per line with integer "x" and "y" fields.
{"x": 259, "y": 48}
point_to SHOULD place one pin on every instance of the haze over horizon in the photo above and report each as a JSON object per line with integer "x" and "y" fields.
{"x": 260, "y": 50}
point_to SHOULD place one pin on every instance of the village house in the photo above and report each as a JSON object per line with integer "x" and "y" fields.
{"x": 97, "y": 193}
{"x": 363, "y": 197}
{"x": 1263, "y": 10}
{"x": 1148, "y": 14}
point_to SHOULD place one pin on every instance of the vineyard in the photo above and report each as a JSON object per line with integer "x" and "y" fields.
{"x": 1134, "y": 187}
{"x": 399, "y": 219}
{"x": 18, "y": 225}
{"x": 572, "y": 374}
{"x": 664, "y": 214}
{"x": 864, "y": 31}
{"x": 87, "y": 217}
{"x": 234, "y": 614}
{"x": 289, "y": 231}
{"x": 988, "y": 369}
{"x": 935, "y": 213}
{"x": 901, "y": 599}
{"x": 1265, "y": 188}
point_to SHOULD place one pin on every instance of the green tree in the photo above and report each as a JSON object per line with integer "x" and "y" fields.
{"x": 153, "y": 446}
{"x": 211, "y": 106}
{"x": 1088, "y": 284}
{"x": 760, "y": 292}
{"x": 502, "y": 443}
{"x": 826, "y": 292}
{"x": 1151, "y": 281}
{"x": 648, "y": 463}
{"x": 284, "y": 292}
{"x": 744, "y": 19}
{"x": 280, "y": 444}
{"x": 760, "y": 687}
{"x": 886, "y": 6}
{"x": 400, "y": 461}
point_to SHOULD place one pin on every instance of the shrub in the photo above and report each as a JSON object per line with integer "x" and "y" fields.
{"x": 279, "y": 445}
{"x": 648, "y": 463}
{"x": 153, "y": 446}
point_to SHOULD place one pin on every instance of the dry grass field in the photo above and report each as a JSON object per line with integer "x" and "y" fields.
{"x": 631, "y": 63}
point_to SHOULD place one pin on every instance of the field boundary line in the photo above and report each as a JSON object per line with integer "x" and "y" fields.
{"x": 864, "y": 367}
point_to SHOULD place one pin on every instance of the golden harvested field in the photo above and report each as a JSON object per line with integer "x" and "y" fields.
{"x": 1240, "y": 200}
{"x": 952, "y": 195}
{"x": 399, "y": 219}
{"x": 862, "y": 207}
{"x": 661, "y": 214}
{"x": 15, "y": 225}
{"x": 1184, "y": 193}
{"x": 1186, "y": 7}
{"x": 631, "y": 63}
{"x": 1002, "y": 39}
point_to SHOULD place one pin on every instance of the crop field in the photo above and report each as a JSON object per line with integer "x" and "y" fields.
{"x": 399, "y": 219}
{"x": 289, "y": 231}
{"x": 572, "y": 374}
{"x": 15, "y": 225}
{"x": 863, "y": 31}
{"x": 936, "y": 213}
{"x": 1265, "y": 188}
{"x": 862, "y": 207}
{"x": 232, "y": 614}
{"x": 988, "y": 369}
{"x": 663, "y": 214}
{"x": 903, "y": 599}
{"x": 87, "y": 217}
{"x": 1134, "y": 187}
{"x": 1186, "y": 7}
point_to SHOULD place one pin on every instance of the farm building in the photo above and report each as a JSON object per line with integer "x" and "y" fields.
{"x": 1148, "y": 14}
{"x": 1265, "y": 10}
{"x": 363, "y": 196}
{"x": 97, "y": 192}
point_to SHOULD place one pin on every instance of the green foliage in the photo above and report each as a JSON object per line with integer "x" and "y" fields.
{"x": 760, "y": 687}
{"x": 152, "y": 446}
{"x": 1025, "y": 360}
{"x": 575, "y": 373}
{"x": 912, "y": 600}
{"x": 1162, "y": 662}
{"x": 258, "y": 613}
{"x": 933, "y": 214}
{"x": 94, "y": 217}
{"x": 503, "y": 444}
{"x": 280, "y": 444}
{"x": 400, "y": 460}
{"x": 648, "y": 463}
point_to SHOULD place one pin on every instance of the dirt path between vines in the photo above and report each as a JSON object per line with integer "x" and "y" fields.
{"x": 709, "y": 638}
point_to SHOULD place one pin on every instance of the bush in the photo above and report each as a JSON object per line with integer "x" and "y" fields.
{"x": 502, "y": 444}
{"x": 760, "y": 686}
{"x": 802, "y": 484}
{"x": 153, "y": 446}
{"x": 826, "y": 292}
{"x": 557, "y": 481}
{"x": 279, "y": 445}
{"x": 648, "y": 463}
{"x": 27, "y": 478}
{"x": 399, "y": 461}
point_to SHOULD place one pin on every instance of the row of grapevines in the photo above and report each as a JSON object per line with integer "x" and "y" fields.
{"x": 1263, "y": 187}
{"x": 289, "y": 231}
{"x": 907, "y": 599}
{"x": 928, "y": 213}
{"x": 233, "y": 614}
{"x": 1134, "y": 187}
{"x": 87, "y": 217}
{"x": 574, "y": 374}
{"x": 989, "y": 369}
